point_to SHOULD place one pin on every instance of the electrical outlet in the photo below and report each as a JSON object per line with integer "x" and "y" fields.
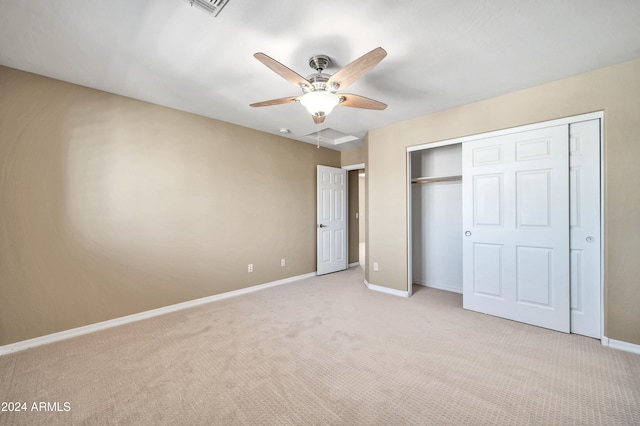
{"x": 250, "y": 267}
{"x": 282, "y": 262}
{"x": 375, "y": 266}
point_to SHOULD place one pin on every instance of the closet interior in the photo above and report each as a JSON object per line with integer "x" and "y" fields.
{"x": 436, "y": 214}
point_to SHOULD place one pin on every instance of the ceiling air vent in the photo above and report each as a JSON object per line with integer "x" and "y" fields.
{"x": 212, "y": 6}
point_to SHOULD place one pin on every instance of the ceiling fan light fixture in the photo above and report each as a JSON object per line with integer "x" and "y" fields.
{"x": 319, "y": 89}
{"x": 319, "y": 103}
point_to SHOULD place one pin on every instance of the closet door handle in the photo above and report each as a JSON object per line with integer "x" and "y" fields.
{"x": 468, "y": 233}
{"x": 590, "y": 239}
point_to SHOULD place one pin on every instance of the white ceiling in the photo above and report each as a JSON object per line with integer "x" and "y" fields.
{"x": 441, "y": 53}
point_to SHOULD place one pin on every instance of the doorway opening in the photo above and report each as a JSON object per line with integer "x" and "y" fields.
{"x": 357, "y": 214}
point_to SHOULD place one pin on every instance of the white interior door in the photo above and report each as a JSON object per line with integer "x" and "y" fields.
{"x": 516, "y": 227}
{"x": 332, "y": 220}
{"x": 584, "y": 218}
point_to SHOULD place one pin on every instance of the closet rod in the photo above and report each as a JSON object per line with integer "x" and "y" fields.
{"x": 437, "y": 179}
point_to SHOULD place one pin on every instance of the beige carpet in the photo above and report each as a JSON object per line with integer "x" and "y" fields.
{"x": 325, "y": 351}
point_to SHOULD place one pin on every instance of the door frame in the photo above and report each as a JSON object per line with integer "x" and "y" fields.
{"x": 349, "y": 168}
{"x": 502, "y": 132}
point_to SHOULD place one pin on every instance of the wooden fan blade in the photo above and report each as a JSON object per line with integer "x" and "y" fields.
{"x": 318, "y": 120}
{"x": 275, "y": 102}
{"x": 355, "y": 101}
{"x": 284, "y": 72}
{"x": 353, "y": 71}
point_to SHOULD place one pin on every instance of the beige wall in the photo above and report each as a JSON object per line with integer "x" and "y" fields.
{"x": 353, "y": 156}
{"x": 111, "y": 206}
{"x": 615, "y": 90}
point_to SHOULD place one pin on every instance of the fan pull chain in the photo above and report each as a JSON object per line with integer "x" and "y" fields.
{"x": 318, "y": 135}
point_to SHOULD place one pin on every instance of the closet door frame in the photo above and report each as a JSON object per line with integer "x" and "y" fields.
{"x": 567, "y": 120}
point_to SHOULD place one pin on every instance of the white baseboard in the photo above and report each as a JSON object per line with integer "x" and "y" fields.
{"x": 91, "y": 328}
{"x": 386, "y": 289}
{"x": 439, "y": 287}
{"x": 354, "y": 264}
{"x": 619, "y": 344}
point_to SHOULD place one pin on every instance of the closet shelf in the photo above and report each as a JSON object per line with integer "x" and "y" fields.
{"x": 431, "y": 179}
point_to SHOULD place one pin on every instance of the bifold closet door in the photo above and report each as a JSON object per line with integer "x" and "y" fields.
{"x": 516, "y": 227}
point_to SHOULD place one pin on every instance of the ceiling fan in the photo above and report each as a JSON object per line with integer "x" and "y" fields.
{"x": 319, "y": 90}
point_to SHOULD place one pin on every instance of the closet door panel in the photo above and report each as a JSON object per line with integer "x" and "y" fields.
{"x": 487, "y": 276}
{"x": 584, "y": 172}
{"x": 488, "y": 200}
{"x": 515, "y": 197}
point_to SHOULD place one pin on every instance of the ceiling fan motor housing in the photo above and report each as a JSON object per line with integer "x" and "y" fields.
{"x": 318, "y": 82}
{"x": 319, "y": 79}
{"x": 319, "y": 62}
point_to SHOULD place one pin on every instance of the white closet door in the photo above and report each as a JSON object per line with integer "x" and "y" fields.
{"x": 584, "y": 177}
{"x": 516, "y": 227}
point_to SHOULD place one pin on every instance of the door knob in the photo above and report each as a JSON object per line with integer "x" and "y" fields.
{"x": 322, "y": 226}
{"x": 590, "y": 239}
{"x": 468, "y": 233}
